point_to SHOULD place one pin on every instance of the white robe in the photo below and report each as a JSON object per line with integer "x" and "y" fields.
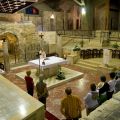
{"x": 106, "y": 56}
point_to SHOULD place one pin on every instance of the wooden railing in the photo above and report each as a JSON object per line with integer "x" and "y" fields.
{"x": 97, "y": 53}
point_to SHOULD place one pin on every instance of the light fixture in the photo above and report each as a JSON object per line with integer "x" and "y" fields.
{"x": 52, "y": 16}
{"x": 83, "y": 11}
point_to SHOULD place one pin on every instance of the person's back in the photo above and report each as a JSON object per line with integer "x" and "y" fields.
{"x": 40, "y": 86}
{"x": 117, "y": 85}
{"x": 71, "y": 106}
{"x": 91, "y": 99}
{"x": 111, "y": 85}
{"x": 103, "y": 91}
{"x": 41, "y": 89}
{"x": 29, "y": 83}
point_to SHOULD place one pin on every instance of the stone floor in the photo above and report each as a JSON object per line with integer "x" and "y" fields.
{"x": 80, "y": 86}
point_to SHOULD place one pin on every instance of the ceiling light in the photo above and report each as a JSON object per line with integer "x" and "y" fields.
{"x": 83, "y": 11}
{"x": 52, "y": 16}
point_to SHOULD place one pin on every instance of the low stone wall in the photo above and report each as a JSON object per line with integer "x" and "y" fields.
{"x": 110, "y": 110}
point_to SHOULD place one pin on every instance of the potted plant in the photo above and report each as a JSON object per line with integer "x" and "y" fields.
{"x": 76, "y": 48}
{"x": 115, "y": 45}
{"x": 60, "y": 74}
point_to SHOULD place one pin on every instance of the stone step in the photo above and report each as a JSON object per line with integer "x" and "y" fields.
{"x": 91, "y": 61}
{"x": 86, "y": 67}
{"x": 85, "y": 63}
{"x": 92, "y": 64}
{"x": 108, "y": 68}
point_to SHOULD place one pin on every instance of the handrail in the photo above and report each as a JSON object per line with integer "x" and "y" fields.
{"x": 88, "y": 33}
{"x": 110, "y": 35}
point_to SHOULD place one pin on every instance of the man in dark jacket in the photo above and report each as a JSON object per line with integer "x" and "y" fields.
{"x": 41, "y": 89}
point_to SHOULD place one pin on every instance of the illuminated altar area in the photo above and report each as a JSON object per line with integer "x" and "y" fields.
{"x": 50, "y": 66}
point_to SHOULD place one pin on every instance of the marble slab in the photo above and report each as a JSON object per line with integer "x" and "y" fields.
{"x": 16, "y": 104}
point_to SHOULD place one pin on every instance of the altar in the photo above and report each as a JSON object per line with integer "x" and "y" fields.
{"x": 50, "y": 66}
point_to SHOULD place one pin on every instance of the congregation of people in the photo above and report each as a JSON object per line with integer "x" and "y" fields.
{"x": 71, "y": 104}
{"x": 98, "y": 94}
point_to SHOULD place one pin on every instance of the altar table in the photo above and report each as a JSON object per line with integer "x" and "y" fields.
{"x": 51, "y": 64}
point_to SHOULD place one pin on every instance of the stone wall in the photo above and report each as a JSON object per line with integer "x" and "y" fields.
{"x": 26, "y": 35}
{"x": 16, "y": 17}
{"x": 49, "y": 41}
{"x": 110, "y": 110}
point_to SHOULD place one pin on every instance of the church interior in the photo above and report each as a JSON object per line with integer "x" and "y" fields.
{"x": 81, "y": 41}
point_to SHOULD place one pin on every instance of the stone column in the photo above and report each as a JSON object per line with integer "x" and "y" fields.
{"x": 59, "y": 45}
{"x": 6, "y": 56}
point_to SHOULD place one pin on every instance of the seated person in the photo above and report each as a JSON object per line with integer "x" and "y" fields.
{"x": 42, "y": 54}
{"x": 91, "y": 99}
{"x": 117, "y": 85}
{"x": 103, "y": 88}
{"x": 111, "y": 84}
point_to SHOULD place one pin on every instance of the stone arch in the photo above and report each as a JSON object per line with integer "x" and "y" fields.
{"x": 12, "y": 40}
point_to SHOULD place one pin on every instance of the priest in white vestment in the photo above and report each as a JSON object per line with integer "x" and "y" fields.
{"x": 106, "y": 56}
{"x": 42, "y": 54}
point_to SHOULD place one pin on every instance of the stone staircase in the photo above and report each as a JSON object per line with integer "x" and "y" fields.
{"x": 92, "y": 64}
{"x": 87, "y": 64}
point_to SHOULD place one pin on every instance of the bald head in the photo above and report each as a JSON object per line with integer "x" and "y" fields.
{"x": 68, "y": 91}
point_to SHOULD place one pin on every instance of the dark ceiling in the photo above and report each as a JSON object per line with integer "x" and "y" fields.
{"x": 11, "y": 6}
{"x": 63, "y": 5}
{"x": 59, "y": 5}
{"x": 54, "y": 4}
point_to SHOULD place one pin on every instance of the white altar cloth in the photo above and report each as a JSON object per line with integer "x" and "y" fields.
{"x": 49, "y": 62}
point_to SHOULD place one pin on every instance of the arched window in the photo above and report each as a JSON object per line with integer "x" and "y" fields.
{"x": 32, "y": 10}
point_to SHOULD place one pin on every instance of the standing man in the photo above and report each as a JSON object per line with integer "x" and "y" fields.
{"x": 71, "y": 106}
{"x": 29, "y": 83}
{"x": 107, "y": 55}
{"x": 42, "y": 54}
{"x": 41, "y": 89}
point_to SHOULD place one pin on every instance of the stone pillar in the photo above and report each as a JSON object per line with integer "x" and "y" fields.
{"x": 59, "y": 46}
{"x": 6, "y": 56}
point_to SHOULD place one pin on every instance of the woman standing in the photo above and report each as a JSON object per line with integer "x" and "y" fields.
{"x": 29, "y": 83}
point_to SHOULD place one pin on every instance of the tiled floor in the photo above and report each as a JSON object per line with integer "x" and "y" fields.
{"x": 79, "y": 86}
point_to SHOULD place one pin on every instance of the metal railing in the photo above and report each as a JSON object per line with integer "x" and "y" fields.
{"x": 110, "y": 36}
